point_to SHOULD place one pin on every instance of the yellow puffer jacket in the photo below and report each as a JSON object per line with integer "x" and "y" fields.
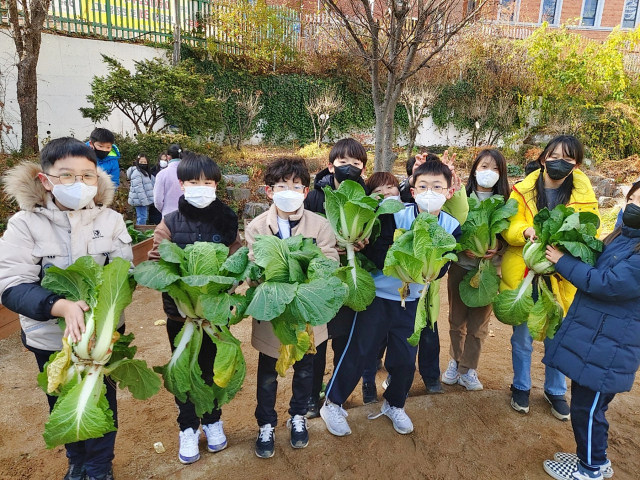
{"x": 582, "y": 199}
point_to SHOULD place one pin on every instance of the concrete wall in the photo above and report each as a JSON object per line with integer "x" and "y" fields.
{"x": 65, "y": 70}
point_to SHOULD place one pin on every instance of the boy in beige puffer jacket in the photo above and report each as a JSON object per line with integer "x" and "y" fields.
{"x": 63, "y": 216}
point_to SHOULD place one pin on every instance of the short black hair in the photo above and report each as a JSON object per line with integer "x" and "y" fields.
{"x": 348, "y": 147}
{"x": 433, "y": 167}
{"x": 380, "y": 179}
{"x": 411, "y": 161}
{"x": 63, "y": 148}
{"x": 174, "y": 151}
{"x": 102, "y": 135}
{"x": 194, "y": 167}
{"x": 284, "y": 168}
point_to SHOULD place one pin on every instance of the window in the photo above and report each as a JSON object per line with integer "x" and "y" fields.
{"x": 550, "y": 11}
{"x": 508, "y": 10}
{"x": 630, "y": 14}
{"x": 591, "y": 13}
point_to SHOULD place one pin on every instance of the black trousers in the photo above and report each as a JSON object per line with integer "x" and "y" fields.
{"x": 383, "y": 318}
{"x": 187, "y": 417}
{"x": 267, "y": 388}
{"x": 96, "y": 454}
{"x": 429, "y": 353}
{"x": 590, "y": 427}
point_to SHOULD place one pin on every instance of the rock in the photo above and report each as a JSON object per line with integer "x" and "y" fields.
{"x": 538, "y": 139}
{"x": 238, "y": 194}
{"x": 159, "y": 447}
{"x": 607, "y": 202}
{"x": 236, "y": 179}
{"x": 602, "y": 186}
{"x": 262, "y": 191}
{"x": 160, "y": 323}
{"x": 253, "y": 209}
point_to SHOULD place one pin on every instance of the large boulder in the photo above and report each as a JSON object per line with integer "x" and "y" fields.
{"x": 603, "y": 186}
{"x": 607, "y": 202}
{"x": 253, "y": 209}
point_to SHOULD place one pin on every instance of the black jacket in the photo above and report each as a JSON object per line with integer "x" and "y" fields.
{"x": 315, "y": 200}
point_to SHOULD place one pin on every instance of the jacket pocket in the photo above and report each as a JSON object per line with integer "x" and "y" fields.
{"x": 50, "y": 250}
{"x": 100, "y": 246}
{"x": 599, "y": 329}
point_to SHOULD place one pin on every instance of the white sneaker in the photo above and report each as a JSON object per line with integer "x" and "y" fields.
{"x": 606, "y": 469}
{"x": 451, "y": 375}
{"x": 189, "y": 450}
{"x": 569, "y": 471}
{"x": 386, "y": 382}
{"x": 401, "y": 421}
{"x": 334, "y": 417}
{"x": 216, "y": 439}
{"x": 470, "y": 380}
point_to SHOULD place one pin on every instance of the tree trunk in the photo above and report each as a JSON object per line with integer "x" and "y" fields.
{"x": 27, "y": 89}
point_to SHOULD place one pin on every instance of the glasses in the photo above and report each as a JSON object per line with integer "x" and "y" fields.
{"x": 282, "y": 188}
{"x": 69, "y": 178}
{"x": 436, "y": 189}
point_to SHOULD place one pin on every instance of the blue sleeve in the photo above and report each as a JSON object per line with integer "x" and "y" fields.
{"x": 619, "y": 219}
{"x": 114, "y": 171}
{"x": 30, "y": 300}
{"x": 616, "y": 283}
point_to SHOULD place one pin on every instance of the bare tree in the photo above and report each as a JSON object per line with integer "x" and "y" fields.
{"x": 321, "y": 109}
{"x": 396, "y": 38}
{"x": 248, "y": 106}
{"x": 417, "y": 99}
{"x": 27, "y": 20}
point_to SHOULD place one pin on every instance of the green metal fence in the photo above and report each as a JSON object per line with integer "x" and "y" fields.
{"x": 151, "y": 20}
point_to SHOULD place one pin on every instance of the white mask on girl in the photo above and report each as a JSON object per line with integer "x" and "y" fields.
{"x": 75, "y": 196}
{"x": 288, "y": 201}
{"x": 430, "y": 202}
{"x": 163, "y": 164}
{"x": 487, "y": 178}
{"x": 391, "y": 197}
{"x": 199, "y": 196}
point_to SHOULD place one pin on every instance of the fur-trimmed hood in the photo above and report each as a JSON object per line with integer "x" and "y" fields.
{"x": 22, "y": 184}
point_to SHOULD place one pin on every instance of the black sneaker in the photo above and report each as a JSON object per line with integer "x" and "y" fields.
{"x": 520, "y": 400}
{"x": 559, "y": 406}
{"x": 313, "y": 408}
{"x": 105, "y": 476}
{"x": 75, "y": 472}
{"x": 369, "y": 393}
{"x": 266, "y": 441}
{"x": 299, "y": 433}
{"x": 433, "y": 385}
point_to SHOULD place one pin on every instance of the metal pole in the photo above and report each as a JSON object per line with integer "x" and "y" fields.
{"x": 176, "y": 34}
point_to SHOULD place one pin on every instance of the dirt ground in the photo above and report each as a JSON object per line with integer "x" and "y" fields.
{"x": 458, "y": 435}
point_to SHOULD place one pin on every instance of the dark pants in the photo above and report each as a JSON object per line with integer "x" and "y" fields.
{"x": 267, "y": 388}
{"x": 187, "y": 417}
{"x": 96, "y": 454}
{"x": 369, "y": 374}
{"x": 590, "y": 427}
{"x": 429, "y": 353}
{"x": 154, "y": 215}
{"x": 338, "y": 345}
{"x": 383, "y": 318}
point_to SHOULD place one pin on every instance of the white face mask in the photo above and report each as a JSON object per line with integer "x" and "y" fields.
{"x": 391, "y": 197}
{"x": 199, "y": 196}
{"x": 430, "y": 202}
{"x": 75, "y": 196}
{"x": 288, "y": 201}
{"x": 487, "y": 178}
{"x": 163, "y": 164}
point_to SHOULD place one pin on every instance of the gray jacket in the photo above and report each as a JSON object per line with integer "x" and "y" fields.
{"x": 141, "y": 188}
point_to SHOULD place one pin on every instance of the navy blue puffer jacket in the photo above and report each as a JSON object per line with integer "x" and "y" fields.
{"x": 598, "y": 343}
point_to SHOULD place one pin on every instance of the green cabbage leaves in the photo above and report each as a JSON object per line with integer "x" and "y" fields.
{"x": 417, "y": 256}
{"x": 76, "y": 373}
{"x": 533, "y": 301}
{"x": 301, "y": 289}
{"x": 201, "y": 279}
{"x": 486, "y": 219}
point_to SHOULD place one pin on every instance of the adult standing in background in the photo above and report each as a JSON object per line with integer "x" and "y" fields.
{"x": 167, "y": 191}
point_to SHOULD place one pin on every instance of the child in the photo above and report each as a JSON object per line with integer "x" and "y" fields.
{"x": 386, "y": 316}
{"x": 287, "y": 184}
{"x": 64, "y": 215}
{"x": 168, "y": 189}
{"x": 558, "y": 182}
{"x": 386, "y": 184}
{"x": 598, "y": 343}
{"x": 103, "y": 143}
{"x": 141, "y": 188}
{"x": 154, "y": 214}
{"x": 347, "y": 160}
{"x": 468, "y": 327}
{"x": 200, "y": 217}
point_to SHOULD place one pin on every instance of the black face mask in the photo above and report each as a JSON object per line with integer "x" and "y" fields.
{"x": 558, "y": 169}
{"x": 102, "y": 154}
{"x": 631, "y": 216}
{"x": 346, "y": 172}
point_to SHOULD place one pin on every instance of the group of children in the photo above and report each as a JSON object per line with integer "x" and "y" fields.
{"x": 65, "y": 214}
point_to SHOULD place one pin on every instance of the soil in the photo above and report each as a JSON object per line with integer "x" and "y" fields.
{"x": 458, "y": 435}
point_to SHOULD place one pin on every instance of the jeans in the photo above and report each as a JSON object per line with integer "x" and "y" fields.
{"x": 142, "y": 214}
{"x": 555, "y": 382}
